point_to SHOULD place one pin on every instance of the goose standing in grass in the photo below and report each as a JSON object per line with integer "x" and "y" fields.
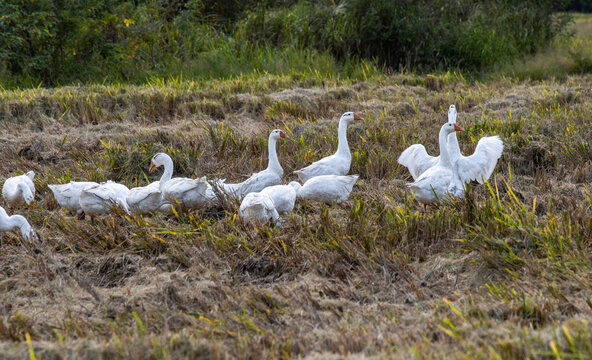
{"x": 19, "y": 190}
{"x": 188, "y": 193}
{"x": 272, "y": 175}
{"x": 283, "y": 196}
{"x": 336, "y": 164}
{"x": 432, "y": 185}
{"x": 328, "y": 188}
{"x": 68, "y": 195}
{"x": 478, "y": 166}
{"x": 258, "y": 207}
{"x": 9, "y": 223}
{"x": 103, "y": 198}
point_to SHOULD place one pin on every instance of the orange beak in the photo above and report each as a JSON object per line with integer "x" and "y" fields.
{"x": 32, "y": 205}
{"x": 358, "y": 117}
{"x": 283, "y": 135}
{"x": 458, "y": 128}
{"x": 152, "y": 167}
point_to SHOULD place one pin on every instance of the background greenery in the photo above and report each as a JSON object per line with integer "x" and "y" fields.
{"x": 57, "y": 42}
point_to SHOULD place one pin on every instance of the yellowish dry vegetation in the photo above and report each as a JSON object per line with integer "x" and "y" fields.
{"x": 505, "y": 273}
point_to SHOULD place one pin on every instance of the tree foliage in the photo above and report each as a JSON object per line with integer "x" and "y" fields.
{"x": 60, "y": 41}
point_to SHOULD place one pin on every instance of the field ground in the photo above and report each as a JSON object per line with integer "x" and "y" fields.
{"x": 505, "y": 273}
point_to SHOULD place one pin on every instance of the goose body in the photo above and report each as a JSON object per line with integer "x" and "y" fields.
{"x": 258, "y": 207}
{"x": 478, "y": 166}
{"x": 336, "y": 164}
{"x": 19, "y": 190}
{"x": 283, "y": 196}
{"x": 432, "y": 185}
{"x": 14, "y": 222}
{"x": 102, "y": 198}
{"x": 187, "y": 193}
{"x": 68, "y": 195}
{"x": 150, "y": 198}
{"x": 258, "y": 181}
{"x": 147, "y": 199}
{"x": 328, "y": 188}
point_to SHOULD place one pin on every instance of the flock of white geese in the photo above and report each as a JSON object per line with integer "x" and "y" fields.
{"x": 262, "y": 196}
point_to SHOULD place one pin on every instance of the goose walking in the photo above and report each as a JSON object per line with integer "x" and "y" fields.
{"x": 432, "y": 185}
{"x": 14, "y": 222}
{"x": 338, "y": 163}
{"x": 19, "y": 190}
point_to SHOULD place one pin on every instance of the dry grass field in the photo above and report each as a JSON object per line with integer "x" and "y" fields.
{"x": 505, "y": 273}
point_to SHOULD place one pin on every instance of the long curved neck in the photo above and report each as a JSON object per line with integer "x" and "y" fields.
{"x": 274, "y": 162}
{"x": 452, "y": 147}
{"x": 11, "y": 222}
{"x": 167, "y": 174}
{"x": 342, "y": 145}
{"x": 444, "y": 156}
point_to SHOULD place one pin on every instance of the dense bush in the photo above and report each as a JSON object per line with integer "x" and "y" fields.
{"x": 62, "y": 41}
{"x": 408, "y": 33}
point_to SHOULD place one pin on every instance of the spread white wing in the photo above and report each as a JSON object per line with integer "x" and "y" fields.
{"x": 417, "y": 160}
{"x": 481, "y": 164}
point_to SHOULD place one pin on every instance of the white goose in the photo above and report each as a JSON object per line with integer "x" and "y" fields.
{"x": 19, "y": 190}
{"x": 103, "y": 198}
{"x": 188, "y": 193}
{"x": 432, "y": 184}
{"x": 259, "y": 180}
{"x": 336, "y": 164}
{"x": 283, "y": 196}
{"x": 328, "y": 188}
{"x": 147, "y": 199}
{"x": 9, "y": 223}
{"x": 258, "y": 207}
{"x": 478, "y": 166}
{"x": 68, "y": 195}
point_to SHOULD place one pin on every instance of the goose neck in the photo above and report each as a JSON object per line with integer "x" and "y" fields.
{"x": 274, "y": 162}
{"x": 444, "y": 156}
{"x": 452, "y": 147}
{"x": 342, "y": 145}
{"x": 167, "y": 174}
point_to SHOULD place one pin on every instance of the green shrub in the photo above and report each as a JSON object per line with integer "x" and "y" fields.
{"x": 412, "y": 34}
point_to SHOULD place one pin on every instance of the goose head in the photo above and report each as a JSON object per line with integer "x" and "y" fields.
{"x": 452, "y": 114}
{"x": 277, "y": 134}
{"x": 449, "y": 128}
{"x": 350, "y": 116}
{"x": 158, "y": 160}
{"x": 27, "y": 231}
